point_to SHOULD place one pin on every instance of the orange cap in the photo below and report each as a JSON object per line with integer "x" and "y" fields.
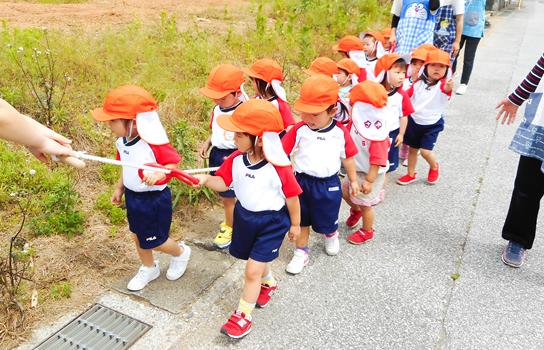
{"x": 420, "y": 54}
{"x": 322, "y": 65}
{"x": 428, "y": 47}
{"x": 265, "y": 69}
{"x": 376, "y": 35}
{"x": 222, "y": 81}
{"x": 349, "y": 66}
{"x": 368, "y": 92}
{"x": 349, "y": 43}
{"x": 385, "y": 62}
{"x": 254, "y": 117}
{"x": 317, "y": 94}
{"x": 386, "y": 32}
{"x": 125, "y": 102}
{"x": 438, "y": 56}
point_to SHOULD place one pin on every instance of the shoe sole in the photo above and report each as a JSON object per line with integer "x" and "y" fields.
{"x": 170, "y": 278}
{"x": 296, "y": 273}
{"x": 509, "y": 263}
{"x": 435, "y": 181}
{"x": 355, "y": 224}
{"x": 224, "y": 331}
{"x": 357, "y": 243}
{"x": 222, "y": 246}
{"x": 152, "y": 279}
{"x": 405, "y": 183}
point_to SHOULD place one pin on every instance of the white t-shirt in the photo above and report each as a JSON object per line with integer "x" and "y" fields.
{"x": 428, "y": 101}
{"x": 220, "y": 137}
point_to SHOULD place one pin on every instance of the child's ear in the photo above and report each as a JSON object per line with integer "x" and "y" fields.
{"x": 333, "y": 111}
{"x": 260, "y": 142}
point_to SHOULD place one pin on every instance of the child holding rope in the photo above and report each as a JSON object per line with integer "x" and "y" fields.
{"x": 130, "y": 112}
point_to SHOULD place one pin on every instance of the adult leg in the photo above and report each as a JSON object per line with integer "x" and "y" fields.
{"x": 468, "y": 60}
{"x": 520, "y": 223}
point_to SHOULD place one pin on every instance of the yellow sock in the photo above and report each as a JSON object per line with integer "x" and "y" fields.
{"x": 246, "y": 307}
{"x": 269, "y": 280}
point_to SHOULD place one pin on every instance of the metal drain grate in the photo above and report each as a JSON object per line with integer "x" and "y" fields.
{"x": 97, "y": 329}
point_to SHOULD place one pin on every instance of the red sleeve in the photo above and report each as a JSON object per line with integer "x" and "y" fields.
{"x": 290, "y": 187}
{"x": 410, "y": 91}
{"x": 443, "y": 85}
{"x": 379, "y": 151}
{"x": 211, "y": 120}
{"x": 362, "y": 75}
{"x": 407, "y": 107}
{"x": 118, "y": 156}
{"x": 351, "y": 148}
{"x": 225, "y": 170}
{"x": 165, "y": 154}
{"x": 288, "y": 141}
{"x": 286, "y": 115}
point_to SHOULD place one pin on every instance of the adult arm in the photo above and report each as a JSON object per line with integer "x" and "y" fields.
{"x": 511, "y": 104}
{"x": 17, "y": 128}
{"x": 458, "y": 32}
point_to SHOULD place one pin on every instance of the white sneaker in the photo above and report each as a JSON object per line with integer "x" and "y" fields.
{"x": 144, "y": 276}
{"x": 332, "y": 245}
{"x": 461, "y": 89}
{"x": 178, "y": 264}
{"x": 300, "y": 259}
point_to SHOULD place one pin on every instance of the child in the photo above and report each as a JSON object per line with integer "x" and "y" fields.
{"x": 261, "y": 175}
{"x": 323, "y": 144}
{"x": 352, "y": 47}
{"x": 225, "y": 88}
{"x": 370, "y": 132}
{"x": 386, "y": 32}
{"x": 266, "y": 76}
{"x": 429, "y": 96}
{"x": 346, "y": 78}
{"x": 130, "y": 112}
{"x": 391, "y": 72}
{"x": 373, "y": 42}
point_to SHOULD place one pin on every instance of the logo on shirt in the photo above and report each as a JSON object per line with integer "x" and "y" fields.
{"x": 321, "y": 138}
{"x": 151, "y": 238}
{"x": 250, "y": 176}
{"x": 126, "y": 152}
{"x": 275, "y": 250}
{"x": 368, "y": 124}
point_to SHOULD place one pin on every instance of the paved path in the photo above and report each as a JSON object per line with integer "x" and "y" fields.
{"x": 397, "y": 291}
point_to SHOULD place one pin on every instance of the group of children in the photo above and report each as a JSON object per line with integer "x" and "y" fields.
{"x": 355, "y": 115}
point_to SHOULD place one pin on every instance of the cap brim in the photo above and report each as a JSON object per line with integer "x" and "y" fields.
{"x": 336, "y": 48}
{"x": 224, "y": 121}
{"x": 250, "y": 73}
{"x": 310, "y": 72}
{"x": 214, "y": 95}
{"x": 99, "y": 115}
{"x": 306, "y": 108}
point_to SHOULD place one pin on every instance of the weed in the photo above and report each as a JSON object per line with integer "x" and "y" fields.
{"x": 109, "y": 173}
{"x": 115, "y": 214}
{"x": 61, "y": 290}
{"x": 455, "y": 276}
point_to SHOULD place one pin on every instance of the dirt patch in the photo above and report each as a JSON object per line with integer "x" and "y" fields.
{"x": 96, "y": 15}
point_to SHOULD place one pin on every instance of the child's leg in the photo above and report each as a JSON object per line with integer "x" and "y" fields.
{"x": 254, "y": 272}
{"x": 146, "y": 255}
{"x": 385, "y": 182}
{"x": 368, "y": 218}
{"x": 304, "y": 237}
{"x": 228, "y": 204}
{"x": 347, "y": 198}
{"x": 412, "y": 160}
{"x": 170, "y": 247}
{"x": 430, "y": 157}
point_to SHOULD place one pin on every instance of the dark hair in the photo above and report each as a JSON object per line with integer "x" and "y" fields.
{"x": 253, "y": 149}
{"x": 400, "y": 63}
{"x": 426, "y": 77}
{"x": 345, "y": 71}
{"x": 341, "y": 112}
{"x": 262, "y": 88}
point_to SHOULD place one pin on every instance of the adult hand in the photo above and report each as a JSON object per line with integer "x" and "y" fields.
{"x": 508, "y": 111}
{"x": 455, "y": 48}
{"x": 392, "y": 41}
{"x": 51, "y": 147}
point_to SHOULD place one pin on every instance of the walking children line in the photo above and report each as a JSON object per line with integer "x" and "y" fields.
{"x": 277, "y": 177}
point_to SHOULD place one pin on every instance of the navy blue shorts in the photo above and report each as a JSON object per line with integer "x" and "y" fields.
{"x": 422, "y": 136}
{"x": 258, "y": 235}
{"x": 393, "y": 152}
{"x": 320, "y": 202}
{"x": 149, "y": 216}
{"x": 216, "y": 159}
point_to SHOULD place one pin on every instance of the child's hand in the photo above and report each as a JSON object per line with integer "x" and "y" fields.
{"x": 116, "y": 196}
{"x": 204, "y": 149}
{"x": 151, "y": 178}
{"x": 354, "y": 188}
{"x": 294, "y": 233}
{"x": 449, "y": 85}
{"x": 399, "y": 140}
{"x": 367, "y": 187}
{"x": 201, "y": 180}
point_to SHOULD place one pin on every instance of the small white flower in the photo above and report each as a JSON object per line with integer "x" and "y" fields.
{"x": 9, "y": 45}
{"x": 26, "y": 246}
{"x": 47, "y": 52}
{"x": 12, "y": 194}
{"x": 32, "y": 171}
{"x": 25, "y": 251}
{"x": 44, "y": 29}
{"x": 35, "y": 49}
{"x": 39, "y": 52}
{"x": 68, "y": 78}
{"x": 21, "y": 48}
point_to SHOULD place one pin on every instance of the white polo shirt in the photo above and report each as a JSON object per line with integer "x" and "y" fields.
{"x": 220, "y": 137}
{"x": 370, "y": 152}
{"x": 429, "y": 102}
{"x": 319, "y": 151}
{"x": 261, "y": 186}
{"x": 399, "y": 105}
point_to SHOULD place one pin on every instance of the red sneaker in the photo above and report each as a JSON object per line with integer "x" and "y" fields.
{"x": 361, "y": 236}
{"x": 237, "y": 326}
{"x": 406, "y": 179}
{"x": 354, "y": 217}
{"x": 265, "y": 294}
{"x": 434, "y": 175}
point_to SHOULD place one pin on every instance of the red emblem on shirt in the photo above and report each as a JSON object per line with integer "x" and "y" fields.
{"x": 378, "y": 124}
{"x": 368, "y": 124}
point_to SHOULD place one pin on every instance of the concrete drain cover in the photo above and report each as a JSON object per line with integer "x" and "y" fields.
{"x": 98, "y": 328}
